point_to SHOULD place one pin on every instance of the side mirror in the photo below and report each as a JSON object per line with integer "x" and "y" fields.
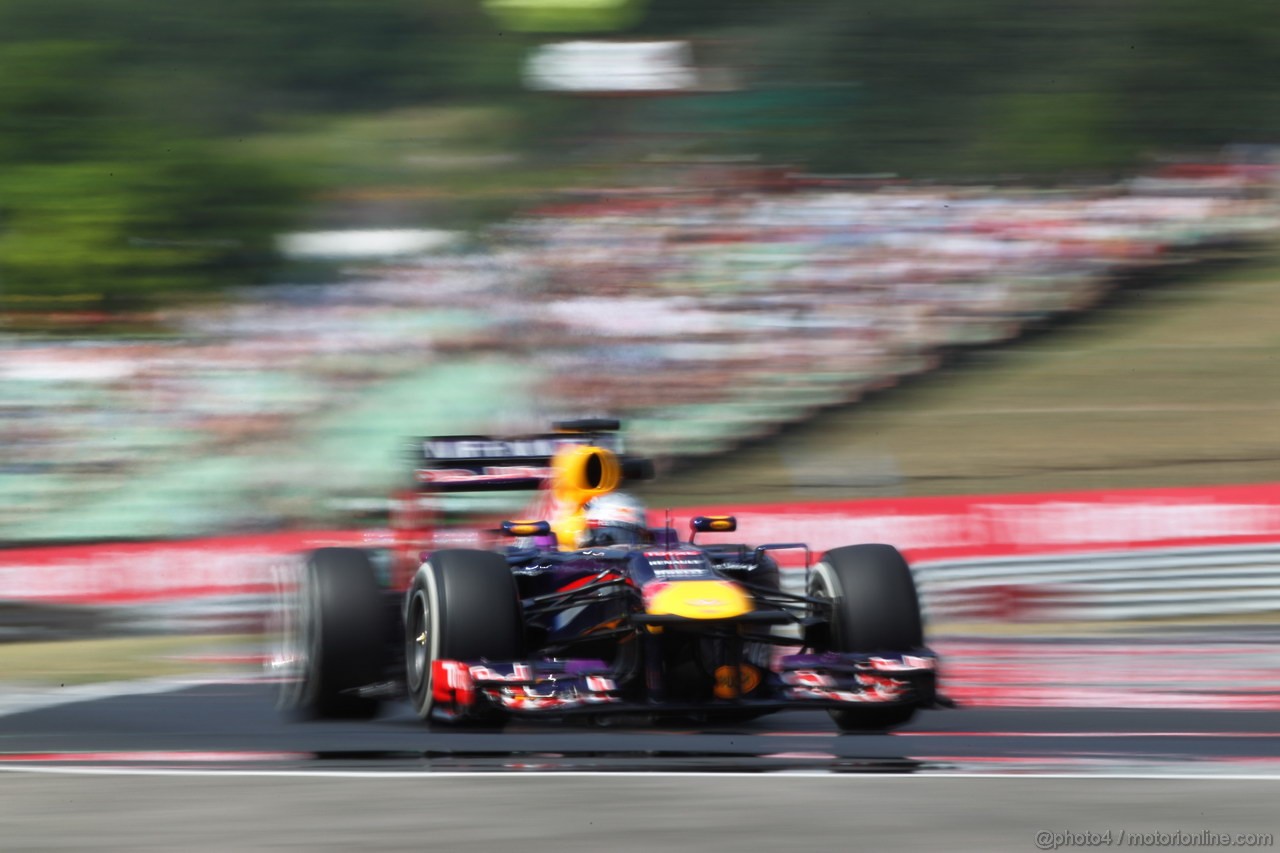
{"x": 526, "y": 528}
{"x": 713, "y": 524}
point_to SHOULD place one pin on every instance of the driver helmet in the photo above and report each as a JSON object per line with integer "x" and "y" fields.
{"x": 616, "y": 519}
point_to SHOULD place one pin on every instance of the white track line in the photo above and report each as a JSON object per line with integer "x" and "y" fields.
{"x": 541, "y": 777}
{"x": 972, "y": 734}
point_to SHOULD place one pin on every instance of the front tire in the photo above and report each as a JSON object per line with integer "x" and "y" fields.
{"x": 463, "y": 605}
{"x": 875, "y": 608}
{"x": 333, "y": 637}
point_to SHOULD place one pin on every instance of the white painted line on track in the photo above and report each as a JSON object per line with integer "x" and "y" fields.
{"x": 1090, "y": 734}
{"x": 542, "y": 776}
{"x": 970, "y": 734}
{"x": 154, "y": 756}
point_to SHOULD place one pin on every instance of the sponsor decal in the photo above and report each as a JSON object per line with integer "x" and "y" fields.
{"x": 129, "y": 572}
{"x": 520, "y": 672}
{"x": 490, "y": 473}
{"x": 493, "y": 448}
{"x": 903, "y": 664}
{"x": 676, "y": 557}
{"x": 925, "y": 528}
{"x": 813, "y": 684}
{"x": 808, "y": 678}
{"x": 459, "y": 537}
{"x": 677, "y": 563}
{"x": 522, "y": 701}
{"x": 849, "y": 696}
{"x": 946, "y": 528}
{"x": 529, "y": 699}
{"x": 451, "y": 683}
{"x": 696, "y": 599}
{"x": 884, "y": 688}
{"x": 600, "y": 684}
{"x": 680, "y": 573}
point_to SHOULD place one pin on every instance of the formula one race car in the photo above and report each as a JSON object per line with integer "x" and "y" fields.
{"x": 585, "y": 609}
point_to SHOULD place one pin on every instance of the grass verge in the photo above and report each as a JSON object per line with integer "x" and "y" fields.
{"x": 69, "y": 662}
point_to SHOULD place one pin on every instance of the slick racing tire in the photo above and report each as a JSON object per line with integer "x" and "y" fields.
{"x": 463, "y": 605}
{"x": 874, "y": 609}
{"x": 333, "y": 637}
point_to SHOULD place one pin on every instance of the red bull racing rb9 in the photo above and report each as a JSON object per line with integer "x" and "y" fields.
{"x": 585, "y": 608}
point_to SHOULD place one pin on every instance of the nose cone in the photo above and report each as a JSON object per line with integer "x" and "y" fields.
{"x": 705, "y": 599}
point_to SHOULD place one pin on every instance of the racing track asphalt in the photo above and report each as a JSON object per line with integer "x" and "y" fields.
{"x": 212, "y": 767}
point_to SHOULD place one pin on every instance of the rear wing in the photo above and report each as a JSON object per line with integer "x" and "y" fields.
{"x": 479, "y": 469}
{"x": 484, "y": 463}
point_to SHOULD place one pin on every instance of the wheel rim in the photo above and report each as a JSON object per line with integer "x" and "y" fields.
{"x": 289, "y": 650}
{"x": 299, "y": 643}
{"x": 820, "y": 588}
{"x": 419, "y": 640}
{"x": 818, "y": 584}
{"x": 310, "y": 639}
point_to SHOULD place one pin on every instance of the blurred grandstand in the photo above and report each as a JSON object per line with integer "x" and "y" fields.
{"x": 705, "y": 314}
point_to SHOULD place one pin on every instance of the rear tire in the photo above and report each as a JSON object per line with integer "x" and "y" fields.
{"x": 875, "y": 608}
{"x": 463, "y": 605}
{"x": 333, "y": 634}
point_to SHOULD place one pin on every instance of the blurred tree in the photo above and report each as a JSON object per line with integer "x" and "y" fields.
{"x": 565, "y": 16}
{"x": 103, "y": 204}
{"x": 122, "y": 173}
{"x": 989, "y": 87}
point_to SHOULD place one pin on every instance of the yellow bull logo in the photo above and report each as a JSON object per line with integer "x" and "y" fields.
{"x": 705, "y": 599}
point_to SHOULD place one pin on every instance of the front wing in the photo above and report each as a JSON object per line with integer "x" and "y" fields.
{"x": 465, "y": 690}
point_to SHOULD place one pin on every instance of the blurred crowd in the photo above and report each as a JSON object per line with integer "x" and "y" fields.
{"x": 701, "y": 315}
{"x": 78, "y": 419}
{"x": 706, "y": 318}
